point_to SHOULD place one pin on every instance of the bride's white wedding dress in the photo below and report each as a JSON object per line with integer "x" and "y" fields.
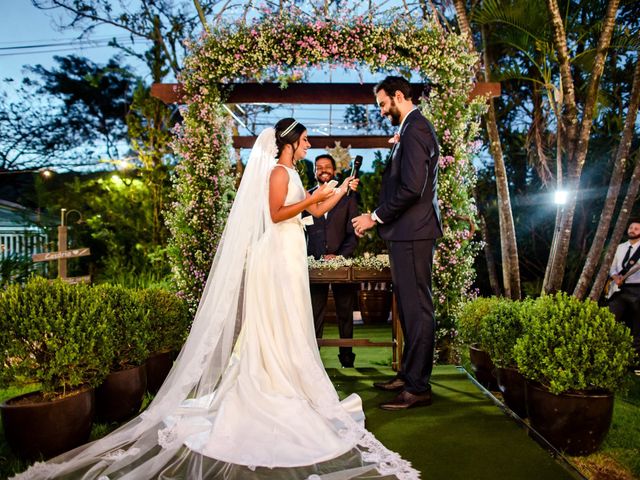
{"x": 248, "y": 396}
{"x": 275, "y": 388}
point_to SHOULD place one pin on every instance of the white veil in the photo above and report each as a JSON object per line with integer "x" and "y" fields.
{"x": 206, "y": 352}
{"x": 152, "y": 445}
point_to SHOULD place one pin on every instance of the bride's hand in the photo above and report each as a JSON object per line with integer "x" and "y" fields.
{"x": 350, "y": 182}
{"x": 322, "y": 193}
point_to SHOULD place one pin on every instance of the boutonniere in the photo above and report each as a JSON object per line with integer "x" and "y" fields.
{"x": 395, "y": 139}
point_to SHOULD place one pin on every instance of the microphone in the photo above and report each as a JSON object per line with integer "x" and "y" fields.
{"x": 355, "y": 169}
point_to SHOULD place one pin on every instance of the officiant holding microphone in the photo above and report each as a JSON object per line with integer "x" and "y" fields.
{"x": 329, "y": 236}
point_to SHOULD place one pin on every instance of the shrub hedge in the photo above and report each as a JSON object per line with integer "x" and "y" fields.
{"x": 65, "y": 336}
{"x": 573, "y": 345}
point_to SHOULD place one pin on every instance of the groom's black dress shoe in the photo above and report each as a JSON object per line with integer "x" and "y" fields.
{"x": 407, "y": 400}
{"x": 394, "y": 385}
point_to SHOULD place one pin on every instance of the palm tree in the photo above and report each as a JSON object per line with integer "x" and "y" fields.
{"x": 538, "y": 36}
{"x": 576, "y": 140}
{"x": 508, "y": 241}
{"x": 621, "y": 161}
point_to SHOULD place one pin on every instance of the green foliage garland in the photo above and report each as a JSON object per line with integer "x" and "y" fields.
{"x": 203, "y": 192}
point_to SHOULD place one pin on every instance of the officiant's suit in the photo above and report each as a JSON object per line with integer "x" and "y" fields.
{"x": 410, "y": 224}
{"x": 333, "y": 234}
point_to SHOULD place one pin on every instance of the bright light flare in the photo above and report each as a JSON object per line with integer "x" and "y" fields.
{"x": 560, "y": 197}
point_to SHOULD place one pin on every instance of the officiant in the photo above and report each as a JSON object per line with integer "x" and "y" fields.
{"x": 329, "y": 236}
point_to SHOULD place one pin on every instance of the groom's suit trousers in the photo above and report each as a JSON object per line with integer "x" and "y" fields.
{"x": 411, "y": 263}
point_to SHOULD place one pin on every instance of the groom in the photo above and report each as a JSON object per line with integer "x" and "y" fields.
{"x": 408, "y": 220}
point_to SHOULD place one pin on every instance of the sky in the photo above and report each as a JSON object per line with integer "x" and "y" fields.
{"x": 28, "y": 36}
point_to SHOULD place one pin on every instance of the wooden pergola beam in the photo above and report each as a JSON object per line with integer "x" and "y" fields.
{"x": 303, "y": 93}
{"x": 308, "y": 94}
{"x": 321, "y": 141}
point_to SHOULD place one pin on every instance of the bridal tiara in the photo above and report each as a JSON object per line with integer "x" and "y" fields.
{"x": 289, "y": 129}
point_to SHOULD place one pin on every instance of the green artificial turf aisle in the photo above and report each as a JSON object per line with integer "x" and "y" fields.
{"x": 463, "y": 435}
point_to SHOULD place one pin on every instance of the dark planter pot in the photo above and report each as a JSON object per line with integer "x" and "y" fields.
{"x": 483, "y": 368}
{"x": 575, "y": 423}
{"x": 48, "y": 428}
{"x": 374, "y": 305}
{"x": 158, "y": 367}
{"x": 120, "y": 395}
{"x": 513, "y": 387}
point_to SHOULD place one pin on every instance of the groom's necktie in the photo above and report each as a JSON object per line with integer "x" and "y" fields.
{"x": 626, "y": 257}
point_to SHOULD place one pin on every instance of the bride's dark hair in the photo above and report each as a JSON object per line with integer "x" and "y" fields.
{"x": 287, "y": 133}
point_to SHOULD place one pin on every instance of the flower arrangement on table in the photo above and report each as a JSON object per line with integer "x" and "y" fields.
{"x": 372, "y": 262}
{"x": 370, "y": 269}
{"x": 366, "y": 261}
{"x": 333, "y": 263}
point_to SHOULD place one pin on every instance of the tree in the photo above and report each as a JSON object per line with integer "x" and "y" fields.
{"x": 508, "y": 241}
{"x": 63, "y": 115}
{"x": 166, "y": 23}
{"x": 150, "y": 123}
{"x": 576, "y": 139}
{"x": 621, "y": 161}
{"x": 529, "y": 65}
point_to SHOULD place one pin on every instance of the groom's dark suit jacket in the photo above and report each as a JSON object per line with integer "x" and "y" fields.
{"x": 411, "y": 224}
{"x": 334, "y": 234}
{"x": 408, "y": 197}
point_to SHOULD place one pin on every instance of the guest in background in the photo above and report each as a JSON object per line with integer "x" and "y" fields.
{"x": 625, "y": 304}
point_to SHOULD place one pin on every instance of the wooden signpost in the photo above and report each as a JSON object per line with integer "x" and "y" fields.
{"x": 63, "y": 254}
{"x": 47, "y": 256}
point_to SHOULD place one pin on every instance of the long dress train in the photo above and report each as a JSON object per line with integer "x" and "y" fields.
{"x": 270, "y": 412}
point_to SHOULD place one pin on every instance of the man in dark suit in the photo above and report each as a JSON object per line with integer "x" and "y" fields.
{"x": 408, "y": 219}
{"x": 329, "y": 236}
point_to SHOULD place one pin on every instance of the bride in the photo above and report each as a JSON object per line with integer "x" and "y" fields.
{"x": 248, "y": 397}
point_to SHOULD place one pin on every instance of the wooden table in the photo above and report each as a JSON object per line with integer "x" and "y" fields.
{"x": 359, "y": 275}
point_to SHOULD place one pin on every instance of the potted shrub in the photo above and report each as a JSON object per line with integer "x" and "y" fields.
{"x": 51, "y": 336}
{"x": 574, "y": 355}
{"x": 122, "y": 392}
{"x": 500, "y": 330}
{"x": 169, "y": 323}
{"x": 469, "y": 324}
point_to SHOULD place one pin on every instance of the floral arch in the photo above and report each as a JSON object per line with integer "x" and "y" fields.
{"x": 284, "y": 47}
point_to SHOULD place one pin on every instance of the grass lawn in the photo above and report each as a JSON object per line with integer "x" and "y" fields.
{"x": 447, "y": 437}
